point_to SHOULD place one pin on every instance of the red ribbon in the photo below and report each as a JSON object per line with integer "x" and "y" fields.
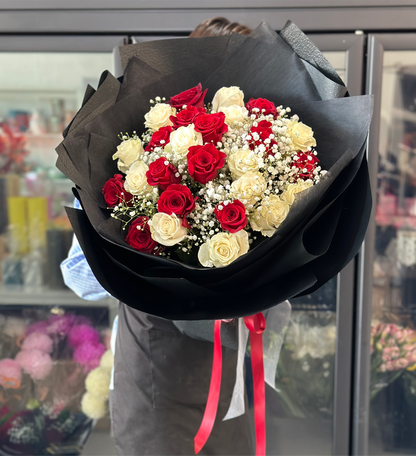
{"x": 256, "y": 325}
{"x": 214, "y": 393}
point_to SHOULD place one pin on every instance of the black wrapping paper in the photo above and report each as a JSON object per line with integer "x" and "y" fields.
{"x": 326, "y": 224}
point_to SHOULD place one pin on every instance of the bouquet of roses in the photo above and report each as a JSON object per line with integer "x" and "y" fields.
{"x": 222, "y": 209}
{"x": 219, "y": 204}
{"x": 393, "y": 350}
{"x": 205, "y": 181}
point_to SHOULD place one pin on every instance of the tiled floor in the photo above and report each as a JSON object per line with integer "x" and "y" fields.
{"x": 285, "y": 436}
{"x": 99, "y": 443}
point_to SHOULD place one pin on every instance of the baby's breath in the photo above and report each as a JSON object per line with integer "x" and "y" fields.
{"x": 274, "y": 157}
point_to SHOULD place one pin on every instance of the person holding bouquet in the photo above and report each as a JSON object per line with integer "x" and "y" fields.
{"x": 162, "y": 376}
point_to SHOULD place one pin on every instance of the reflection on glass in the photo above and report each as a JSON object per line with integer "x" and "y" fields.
{"x": 45, "y": 360}
{"x": 41, "y": 405}
{"x": 39, "y": 95}
{"x": 337, "y": 60}
{"x": 393, "y": 347}
{"x": 300, "y": 415}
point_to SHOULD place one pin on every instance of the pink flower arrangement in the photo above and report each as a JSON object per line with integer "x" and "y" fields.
{"x": 36, "y": 363}
{"x": 83, "y": 333}
{"x": 39, "y": 341}
{"x": 393, "y": 349}
{"x": 61, "y": 349}
{"x": 41, "y": 338}
{"x": 61, "y": 324}
{"x": 38, "y": 326}
{"x": 88, "y": 354}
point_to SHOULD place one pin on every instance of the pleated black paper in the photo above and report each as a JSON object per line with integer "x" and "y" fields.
{"x": 326, "y": 224}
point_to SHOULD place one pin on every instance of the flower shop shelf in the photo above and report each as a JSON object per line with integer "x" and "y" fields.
{"x": 49, "y": 298}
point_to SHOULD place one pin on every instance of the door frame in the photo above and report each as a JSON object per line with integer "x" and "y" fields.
{"x": 354, "y": 46}
{"x": 377, "y": 45}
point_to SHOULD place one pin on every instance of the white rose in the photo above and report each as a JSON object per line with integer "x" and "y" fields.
{"x": 167, "y": 229}
{"x": 136, "y": 182}
{"x": 289, "y": 194}
{"x": 127, "y": 153}
{"x": 158, "y": 116}
{"x": 227, "y": 96}
{"x": 243, "y": 161}
{"x": 270, "y": 217}
{"x": 223, "y": 248}
{"x": 301, "y": 135}
{"x": 182, "y": 139}
{"x": 233, "y": 113}
{"x": 248, "y": 187}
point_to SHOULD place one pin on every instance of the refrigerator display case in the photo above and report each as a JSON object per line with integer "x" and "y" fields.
{"x": 339, "y": 390}
{"x": 312, "y": 401}
{"x": 41, "y": 395}
{"x": 385, "y": 410}
{"x": 37, "y": 107}
{"x": 46, "y": 354}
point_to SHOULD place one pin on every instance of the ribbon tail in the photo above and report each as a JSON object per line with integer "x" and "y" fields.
{"x": 256, "y": 342}
{"x": 256, "y": 325}
{"x": 214, "y": 393}
{"x": 237, "y": 405}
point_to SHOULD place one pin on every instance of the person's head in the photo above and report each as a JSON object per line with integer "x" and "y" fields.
{"x": 217, "y": 26}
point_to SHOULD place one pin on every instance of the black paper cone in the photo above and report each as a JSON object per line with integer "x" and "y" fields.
{"x": 325, "y": 225}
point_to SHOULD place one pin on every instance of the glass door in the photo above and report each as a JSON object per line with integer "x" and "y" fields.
{"x": 40, "y": 92}
{"x": 385, "y": 411}
{"x": 42, "y": 85}
{"x": 310, "y": 412}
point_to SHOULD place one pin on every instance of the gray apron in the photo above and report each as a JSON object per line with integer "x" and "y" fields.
{"x": 161, "y": 387}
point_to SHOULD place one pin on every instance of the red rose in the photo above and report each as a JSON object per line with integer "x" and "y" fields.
{"x": 162, "y": 134}
{"x": 211, "y": 126}
{"x": 192, "y": 97}
{"x": 186, "y": 116}
{"x": 306, "y": 162}
{"x": 140, "y": 237}
{"x": 177, "y": 199}
{"x": 266, "y": 107}
{"x": 264, "y": 130}
{"x": 162, "y": 174}
{"x": 204, "y": 162}
{"x": 232, "y": 216}
{"x": 114, "y": 192}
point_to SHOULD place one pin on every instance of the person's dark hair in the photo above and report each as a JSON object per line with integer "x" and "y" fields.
{"x": 217, "y": 26}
